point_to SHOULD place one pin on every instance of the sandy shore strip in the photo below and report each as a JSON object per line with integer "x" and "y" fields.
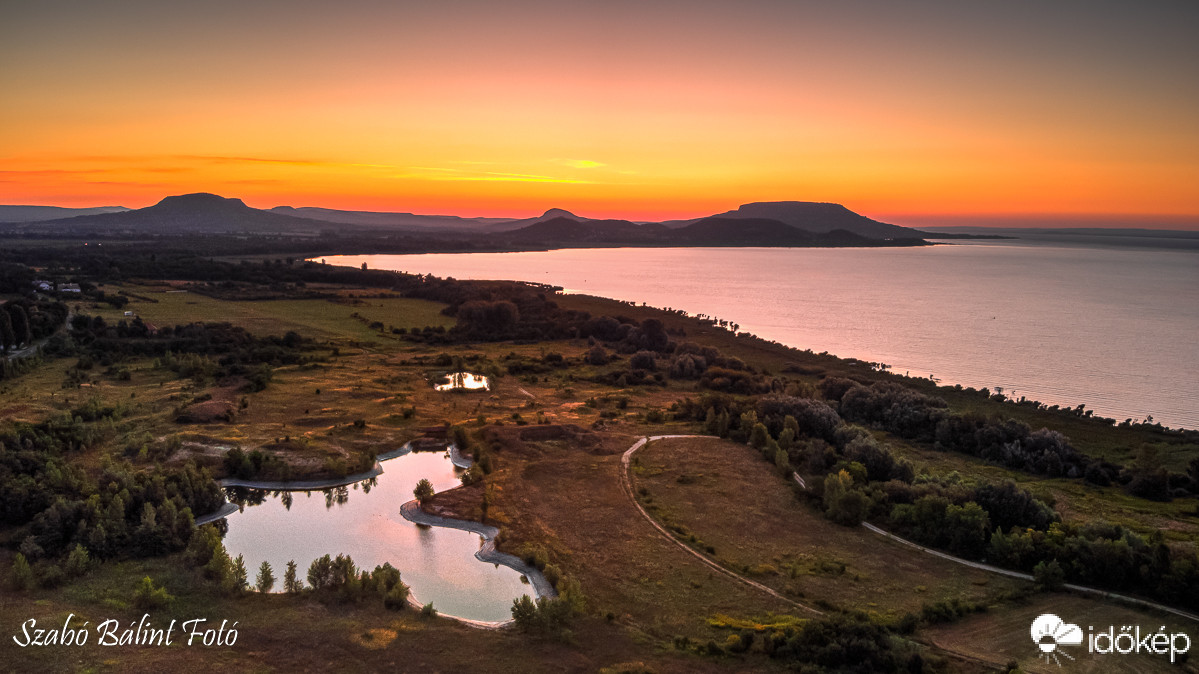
{"x": 224, "y": 511}
{"x": 487, "y": 552}
{"x": 457, "y": 458}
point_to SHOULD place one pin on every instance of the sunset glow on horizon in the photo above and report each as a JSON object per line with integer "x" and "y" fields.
{"x": 619, "y": 109}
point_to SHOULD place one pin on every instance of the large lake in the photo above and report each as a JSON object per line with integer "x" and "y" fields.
{"x": 1116, "y": 329}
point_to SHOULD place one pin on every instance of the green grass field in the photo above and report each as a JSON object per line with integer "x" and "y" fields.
{"x": 316, "y": 318}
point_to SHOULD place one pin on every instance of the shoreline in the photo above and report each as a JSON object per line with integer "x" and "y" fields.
{"x": 918, "y": 373}
{"x": 487, "y": 552}
{"x": 412, "y": 512}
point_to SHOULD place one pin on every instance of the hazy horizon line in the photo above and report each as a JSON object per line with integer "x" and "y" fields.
{"x": 989, "y": 220}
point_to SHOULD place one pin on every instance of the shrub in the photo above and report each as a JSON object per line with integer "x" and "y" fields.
{"x": 77, "y": 562}
{"x": 1048, "y": 576}
{"x": 397, "y": 597}
{"x": 643, "y": 360}
{"x": 597, "y": 356}
{"x": 423, "y": 491}
{"x": 22, "y": 574}
{"x": 148, "y": 597}
{"x": 552, "y": 574}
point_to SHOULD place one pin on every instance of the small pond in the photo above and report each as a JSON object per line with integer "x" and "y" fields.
{"x": 363, "y": 520}
{"x": 464, "y": 381}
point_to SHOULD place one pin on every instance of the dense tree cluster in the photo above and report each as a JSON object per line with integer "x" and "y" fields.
{"x": 857, "y": 479}
{"x": 844, "y": 643}
{"x": 115, "y": 514}
{"x": 26, "y": 320}
{"x": 1007, "y": 442}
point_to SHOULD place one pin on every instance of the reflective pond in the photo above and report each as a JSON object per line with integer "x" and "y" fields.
{"x": 363, "y": 520}
{"x": 463, "y": 381}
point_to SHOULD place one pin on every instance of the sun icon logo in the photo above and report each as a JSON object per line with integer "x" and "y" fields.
{"x": 1050, "y": 633}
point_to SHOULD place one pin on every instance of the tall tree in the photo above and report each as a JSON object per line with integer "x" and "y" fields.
{"x": 8, "y": 338}
{"x": 20, "y": 324}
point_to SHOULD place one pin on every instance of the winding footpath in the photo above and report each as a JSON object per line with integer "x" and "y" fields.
{"x": 1103, "y": 594}
{"x": 627, "y": 483}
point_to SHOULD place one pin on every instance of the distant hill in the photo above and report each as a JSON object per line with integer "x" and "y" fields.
{"x": 386, "y": 220}
{"x": 190, "y": 214}
{"x": 715, "y": 231}
{"x": 551, "y": 214}
{"x": 562, "y": 229}
{"x": 42, "y": 213}
{"x": 814, "y": 217}
{"x": 780, "y": 223}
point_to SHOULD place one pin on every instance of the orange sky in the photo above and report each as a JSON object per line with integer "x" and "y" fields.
{"x": 614, "y": 109}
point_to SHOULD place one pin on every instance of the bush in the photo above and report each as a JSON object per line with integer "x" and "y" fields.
{"x": 148, "y": 597}
{"x": 22, "y": 574}
{"x": 1048, "y": 576}
{"x": 552, "y": 574}
{"x": 643, "y": 360}
{"x": 597, "y": 356}
{"x": 460, "y": 438}
{"x": 548, "y": 617}
{"x": 423, "y": 491}
{"x": 77, "y": 562}
{"x": 397, "y": 597}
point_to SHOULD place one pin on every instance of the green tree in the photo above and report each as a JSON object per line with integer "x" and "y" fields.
{"x": 843, "y": 503}
{"x": 20, "y": 324}
{"x": 266, "y": 578}
{"x": 786, "y": 439}
{"x": 722, "y": 424}
{"x": 78, "y": 561}
{"x": 758, "y": 436}
{"x": 292, "y": 584}
{"x": 967, "y": 526}
{"x": 397, "y": 597}
{"x": 22, "y": 574}
{"x": 8, "y": 338}
{"x": 148, "y": 597}
{"x": 241, "y": 577}
{"x": 423, "y": 491}
{"x": 1048, "y": 576}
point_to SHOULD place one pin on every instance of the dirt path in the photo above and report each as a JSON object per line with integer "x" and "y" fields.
{"x": 1016, "y": 574}
{"x": 1025, "y": 576}
{"x": 627, "y": 484}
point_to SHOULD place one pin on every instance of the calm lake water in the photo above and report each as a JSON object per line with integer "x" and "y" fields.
{"x": 1115, "y": 329}
{"x": 364, "y": 522}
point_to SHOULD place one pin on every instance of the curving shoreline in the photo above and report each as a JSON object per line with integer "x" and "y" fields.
{"x": 412, "y": 512}
{"x": 487, "y": 552}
